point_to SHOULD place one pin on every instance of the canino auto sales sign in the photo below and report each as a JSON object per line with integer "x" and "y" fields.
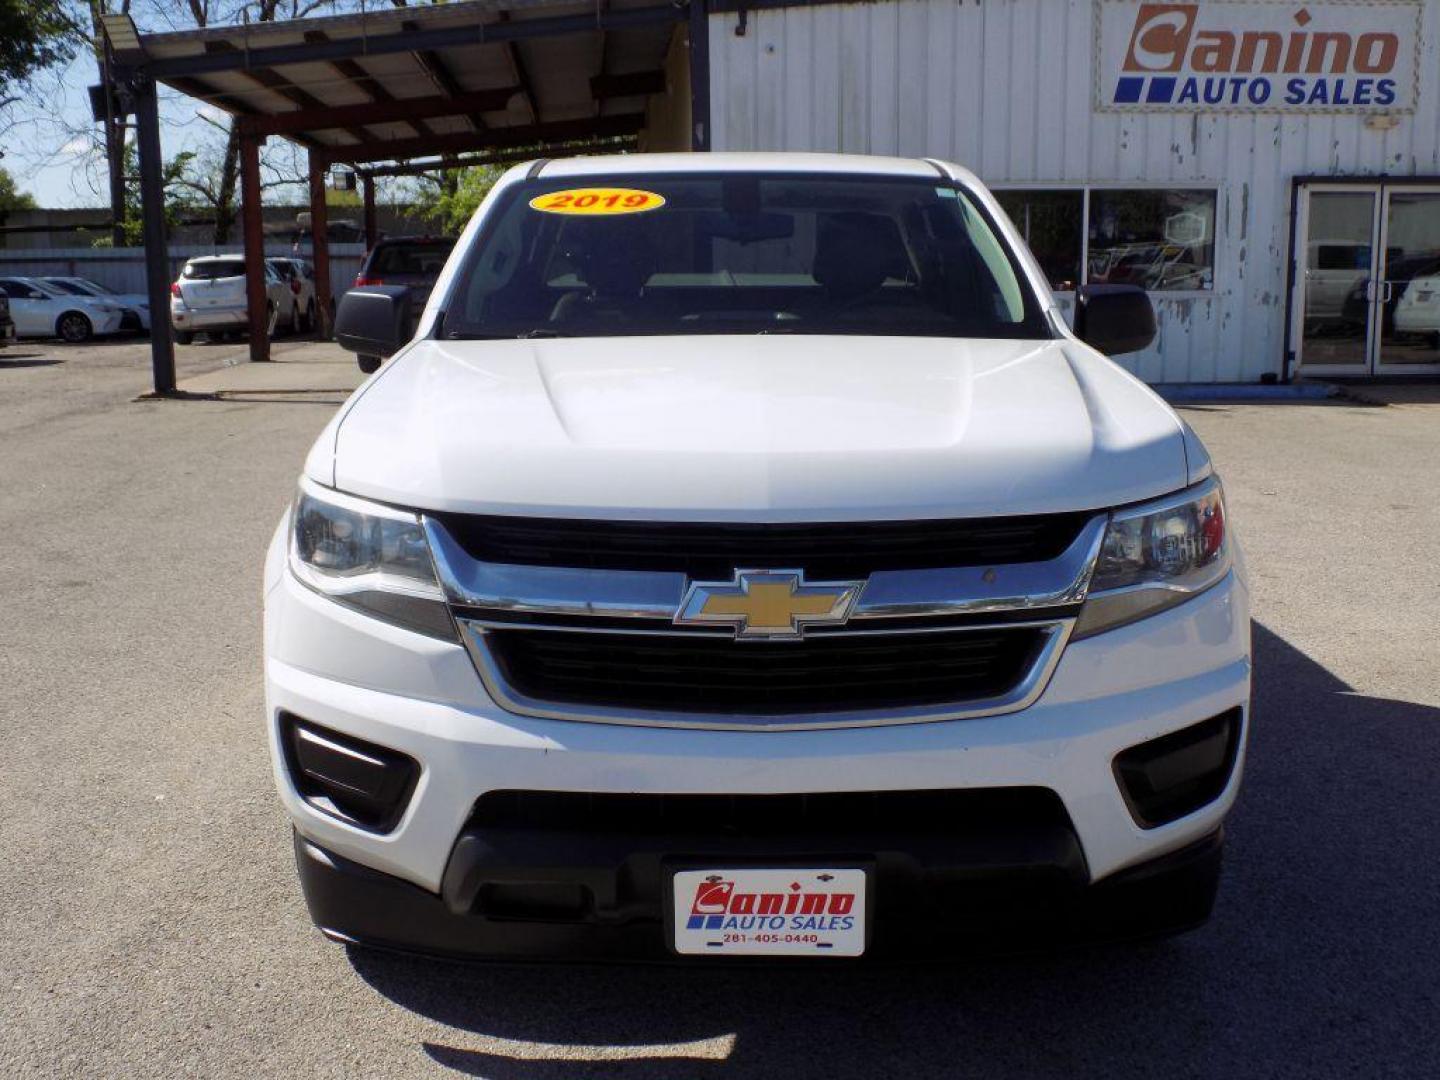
{"x": 1257, "y": 56}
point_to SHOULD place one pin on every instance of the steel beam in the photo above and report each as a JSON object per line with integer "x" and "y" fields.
{"x": 367, "y": 186}
{"x": 363, "y": 81}
{"x": 699, "y": 75}
{"x": 252, "y": 228}
{"x": 522, "y": 73}
{"x": 635, "y": 84}
{"x": 320, "y": 244}
{"x": 505, "y": 157}
{"x": 157, "y": 251}
{"x": 408, "y": 41}
{"x": 443, "y": 78}
{"x": 328, "y": 117}
{"x": 277, "y": 83}
{"x": 527, "y": 135}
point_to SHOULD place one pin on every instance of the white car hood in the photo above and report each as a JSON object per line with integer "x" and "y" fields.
{"x": 761, "y": 428}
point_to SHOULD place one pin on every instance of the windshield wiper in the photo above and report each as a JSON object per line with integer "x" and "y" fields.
{"x": 542, "y": 332}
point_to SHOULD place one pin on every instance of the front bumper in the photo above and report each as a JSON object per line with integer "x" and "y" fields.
{"x": 921, "y": 919}
{"x": 419, "y": 696}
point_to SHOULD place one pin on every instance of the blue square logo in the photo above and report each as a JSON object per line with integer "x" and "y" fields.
{"x": 1161, "y": 90}
{"x": 1127, "y": 90}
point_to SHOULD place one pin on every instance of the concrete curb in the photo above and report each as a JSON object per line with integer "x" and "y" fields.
{"x": 1185, "y": 393}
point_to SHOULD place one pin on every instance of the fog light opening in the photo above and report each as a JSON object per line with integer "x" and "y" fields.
{"x": 1166, "y": 778}
{"x": 356, "y": 781}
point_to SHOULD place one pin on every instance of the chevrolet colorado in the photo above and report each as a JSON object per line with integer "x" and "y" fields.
{"x": 745, "y": 558}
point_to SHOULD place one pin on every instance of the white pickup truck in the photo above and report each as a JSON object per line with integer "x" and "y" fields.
{"x": 745, "y": 559}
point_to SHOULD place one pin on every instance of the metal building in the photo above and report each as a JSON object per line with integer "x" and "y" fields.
{"x": 1268, "y": 169}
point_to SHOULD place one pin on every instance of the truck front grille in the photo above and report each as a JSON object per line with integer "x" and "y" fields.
{"x": 718, "y": 675}
{"x": 710, "y": 550}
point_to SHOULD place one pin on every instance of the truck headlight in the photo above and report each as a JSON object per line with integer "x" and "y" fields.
{"x": 371, "y": 557}
{"x": 1157, "y": 555}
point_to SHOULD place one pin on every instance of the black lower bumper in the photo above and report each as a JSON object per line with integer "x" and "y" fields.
{"x": 579, "y": 902}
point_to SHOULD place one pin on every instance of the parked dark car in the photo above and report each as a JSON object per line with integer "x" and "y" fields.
{"x": 412, "y": 261}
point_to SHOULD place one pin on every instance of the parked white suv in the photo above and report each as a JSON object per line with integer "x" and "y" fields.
{"x": 745, "y": 558}
{"x": 209, "y": 297}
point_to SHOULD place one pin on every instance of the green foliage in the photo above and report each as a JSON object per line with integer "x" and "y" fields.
{"x": 177, "y": 197}
{"x": 11, "y": 198}
{"x": 460, "y": 192}
{"x": 33, "y": 35}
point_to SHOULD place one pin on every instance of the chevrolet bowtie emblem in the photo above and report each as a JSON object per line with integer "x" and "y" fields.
{"x": 767, "y": 604}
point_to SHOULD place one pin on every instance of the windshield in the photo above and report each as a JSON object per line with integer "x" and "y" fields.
{"x": 209, "y": 271}
{"x": 69, "y": 287}
{"x": 741, "y": 253}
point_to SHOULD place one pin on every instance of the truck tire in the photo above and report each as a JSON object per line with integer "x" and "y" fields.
{"x": 184, "y": 337}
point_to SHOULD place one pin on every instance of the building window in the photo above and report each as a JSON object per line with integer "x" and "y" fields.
{"x": 1160, "y": 239}
{"x": 1050, "y": 223}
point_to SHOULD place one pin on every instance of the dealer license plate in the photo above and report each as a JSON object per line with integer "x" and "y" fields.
{"x": 770, "y": 912}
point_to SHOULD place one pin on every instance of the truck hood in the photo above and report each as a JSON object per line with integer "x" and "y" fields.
{"x": 759, "y": 428}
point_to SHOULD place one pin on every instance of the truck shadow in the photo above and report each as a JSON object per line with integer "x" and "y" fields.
{"x": 1320, "y": 959}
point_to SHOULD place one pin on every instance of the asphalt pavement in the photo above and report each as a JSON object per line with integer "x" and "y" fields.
{"x": 151, "y": 925}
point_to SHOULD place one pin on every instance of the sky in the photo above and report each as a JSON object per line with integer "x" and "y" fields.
{"x": 48, "y": 154}
{"x": 50, "y": 151}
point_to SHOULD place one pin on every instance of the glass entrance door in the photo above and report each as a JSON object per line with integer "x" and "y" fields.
{"x": 1408, "y": 286}
{"x": 1337, "y": 289}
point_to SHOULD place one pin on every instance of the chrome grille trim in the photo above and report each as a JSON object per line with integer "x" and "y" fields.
{"x": 561, "y": 591}
{"x": 544, "y": 597}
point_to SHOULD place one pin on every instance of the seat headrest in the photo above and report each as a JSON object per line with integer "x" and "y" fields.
{"x": 855, "y": 252}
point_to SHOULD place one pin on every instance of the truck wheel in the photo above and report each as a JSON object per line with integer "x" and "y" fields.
{"x": 368, "y": 364}
{"x": 184, "y": 337}
{"x": 73, "y": 327}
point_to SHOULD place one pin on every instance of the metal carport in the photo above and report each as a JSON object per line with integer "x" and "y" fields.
{"x": 492, "y": 76}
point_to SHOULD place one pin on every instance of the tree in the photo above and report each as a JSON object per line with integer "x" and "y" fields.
{"x": 451, "y": 198}
{"x": 176, "y": 202}
{"x": 11, "y": 197}
{"x": 34, "y": 34}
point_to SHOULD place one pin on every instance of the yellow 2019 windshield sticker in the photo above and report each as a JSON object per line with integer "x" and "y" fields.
{"x": 598, "y": 200}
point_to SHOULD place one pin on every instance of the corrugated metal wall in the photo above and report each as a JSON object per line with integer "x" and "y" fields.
{"x": 1004, "y": 87}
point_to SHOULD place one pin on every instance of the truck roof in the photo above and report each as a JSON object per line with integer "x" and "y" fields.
{"x": 847, "y": 164}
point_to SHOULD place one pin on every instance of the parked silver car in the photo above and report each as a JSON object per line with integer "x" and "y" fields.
{"x": 299, "y": 277}
{"x": 135, "y": 307}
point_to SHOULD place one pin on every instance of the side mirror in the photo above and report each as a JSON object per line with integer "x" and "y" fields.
{"x": 1114, "y": 318}
{"x": 374, "y": 320}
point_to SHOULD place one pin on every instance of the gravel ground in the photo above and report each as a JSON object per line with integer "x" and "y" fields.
{"x": 150, "y": 924}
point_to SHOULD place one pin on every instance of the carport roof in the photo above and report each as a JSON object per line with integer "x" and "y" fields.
{"x": 397, "y": 83}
